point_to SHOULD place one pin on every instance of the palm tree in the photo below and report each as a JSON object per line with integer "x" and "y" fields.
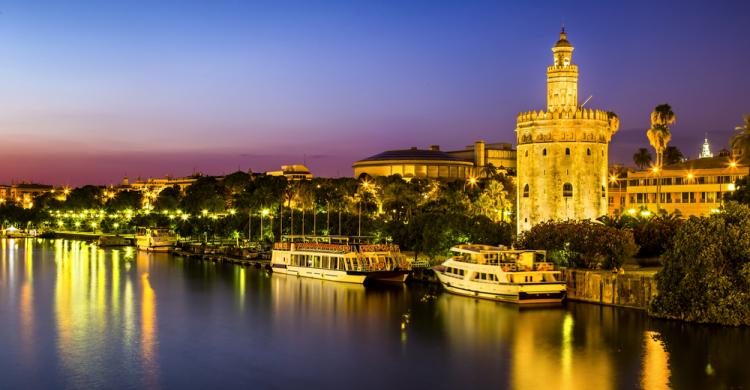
{"x": 672, "y": 155}
{"x": 642, "y": 158}
{"x": 741, "y": 141}
{"x": 659, "y": 134}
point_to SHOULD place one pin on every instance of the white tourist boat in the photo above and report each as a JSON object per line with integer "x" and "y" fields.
{"x": 340, "y": 259}
{"x": 155, "y": 239}
{"x": 496, "y": 273}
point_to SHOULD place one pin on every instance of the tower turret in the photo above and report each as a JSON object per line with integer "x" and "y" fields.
{"x": 562, "y": 77}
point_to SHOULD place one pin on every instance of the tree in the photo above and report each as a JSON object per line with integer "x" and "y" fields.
{"x": 204, "y": 194}
{"x": 125, "y": 200}
{"x": 659, "y": 134}
{"x": 706, "y": 274}
{"x": 642, "y": 158}
{"x": 84, "y": 198}
{"x": 492, "y": 202}
{"x": 583, "y": 244}
{"x": 740, "y": 142}
{"x": 168, "y": 199}
{"x": 672, "y": 155}
{"x": 741, "y": 191}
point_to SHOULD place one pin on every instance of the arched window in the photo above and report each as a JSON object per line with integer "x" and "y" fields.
{"x": 544, "y": 152}
{"x": 588, "y": 151}
{"x": 527, "y": 153}
{"x": 567, "y": 190}
{"x": 567, "y": 151}
{"x": 526, "y": 191}
{"x": 604, "y": 192}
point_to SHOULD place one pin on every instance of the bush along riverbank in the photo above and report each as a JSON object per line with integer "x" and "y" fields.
{"x": 706, "y": 274}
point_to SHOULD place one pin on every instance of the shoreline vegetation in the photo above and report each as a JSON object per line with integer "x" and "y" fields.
{"x": 705, "y": 275}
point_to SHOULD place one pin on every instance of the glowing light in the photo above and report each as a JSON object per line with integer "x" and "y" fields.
{"x": 731, "y": 187}
{"x": 690, "y": 176}
{"x": 184, "y": 217}
{"x": 655, "y": 169}
{"x": 232, "y": 211}
{"x": 265, "y": 212}
{"x": 645, "y": 213}
{"x": 613, "y": 179}
{"x": 733, "y": 164}
{"x": 631, "y": 211}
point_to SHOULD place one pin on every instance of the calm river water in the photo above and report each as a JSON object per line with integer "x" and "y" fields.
{"x": 74, "y": 316}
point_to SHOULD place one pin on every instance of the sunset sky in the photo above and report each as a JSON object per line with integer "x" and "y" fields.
{"x": 93, "y": 91}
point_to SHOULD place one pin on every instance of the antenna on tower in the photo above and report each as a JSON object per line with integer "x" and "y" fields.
{"x": 587, "y": 100}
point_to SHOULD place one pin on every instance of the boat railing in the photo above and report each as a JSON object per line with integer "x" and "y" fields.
{"x": 544, "y": 266}
{"x": 378, "y": 248}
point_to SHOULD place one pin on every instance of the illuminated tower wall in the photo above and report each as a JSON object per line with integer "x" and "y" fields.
{"x": 562, "y": 155}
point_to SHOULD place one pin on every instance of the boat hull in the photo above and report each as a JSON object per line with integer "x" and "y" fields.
{"x": 522, "y": 294}
{"x": 323, "y": 274}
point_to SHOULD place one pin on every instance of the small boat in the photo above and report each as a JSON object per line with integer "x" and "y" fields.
{"x": 340, "y": 259}
{"x": 496, "y": 273}
{"x": 155, "y": 239}
{"x": 113, "y": 241}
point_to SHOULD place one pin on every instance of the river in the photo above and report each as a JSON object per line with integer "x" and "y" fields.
{"x": 75, "y": 316}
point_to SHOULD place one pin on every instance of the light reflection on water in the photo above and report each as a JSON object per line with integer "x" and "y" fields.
{"x": 92, "y": 318}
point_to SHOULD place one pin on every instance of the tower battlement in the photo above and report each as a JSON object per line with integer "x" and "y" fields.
{"x": 586, "y": 113}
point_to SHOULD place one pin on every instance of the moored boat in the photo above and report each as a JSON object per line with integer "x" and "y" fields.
{"x": 113, "y": 241}
{"x": 496, "y": 273}
{"x": 155, "y": 239}
{"x": 338, "y": 258}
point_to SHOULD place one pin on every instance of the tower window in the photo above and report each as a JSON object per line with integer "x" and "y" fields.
{"x": 567, "y": 151}
{"x": 526, "y": 191}
{"x": 544, "y": 152}
{"x": 527, "y": 153}
{"x": 567, "y": 190}
{"x": 604, "y": 192}
{"x": 588, "y": 151}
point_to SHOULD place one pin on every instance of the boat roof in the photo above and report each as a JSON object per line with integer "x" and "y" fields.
{"x": 327, "y": 239}
{"x": 477, "y": 249}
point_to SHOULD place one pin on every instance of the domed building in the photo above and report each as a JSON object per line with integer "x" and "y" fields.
{"x": 562, "y": 152}
{"x": 431, "y": 163}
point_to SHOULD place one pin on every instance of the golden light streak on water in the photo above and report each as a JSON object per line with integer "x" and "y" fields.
{"x": 115, "y": 291}
{"x": 566, "y": 349}
{"x": 239, "y": 273}
{"x": 26, "y": 308}
{"x": 655, "y": 366}
{"x": 148, "y": 330}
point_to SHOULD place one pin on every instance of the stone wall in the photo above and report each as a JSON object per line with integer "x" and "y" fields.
{"x": 635, "y": 289}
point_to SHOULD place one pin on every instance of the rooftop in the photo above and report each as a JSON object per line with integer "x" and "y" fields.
{"x": 413, "y": 154}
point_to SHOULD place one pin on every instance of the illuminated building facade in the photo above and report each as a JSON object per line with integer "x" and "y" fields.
{"x": 434, "y": 163}
{"x": 293, "y": 172}
{"x": 563, "y": 151}
{"x": 694, "y": 187}
{"x": 23, "y": 194}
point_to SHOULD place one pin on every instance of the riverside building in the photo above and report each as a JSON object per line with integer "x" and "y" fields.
{"x": 433, "y": 163}
{"x": 562, "y": 152}
{"x": 695, "y": 187}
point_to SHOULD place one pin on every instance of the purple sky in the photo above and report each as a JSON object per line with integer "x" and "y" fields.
{"x": 90, "y": 93}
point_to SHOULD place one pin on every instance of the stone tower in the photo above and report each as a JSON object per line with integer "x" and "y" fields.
{"x": 563, "y": 151}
